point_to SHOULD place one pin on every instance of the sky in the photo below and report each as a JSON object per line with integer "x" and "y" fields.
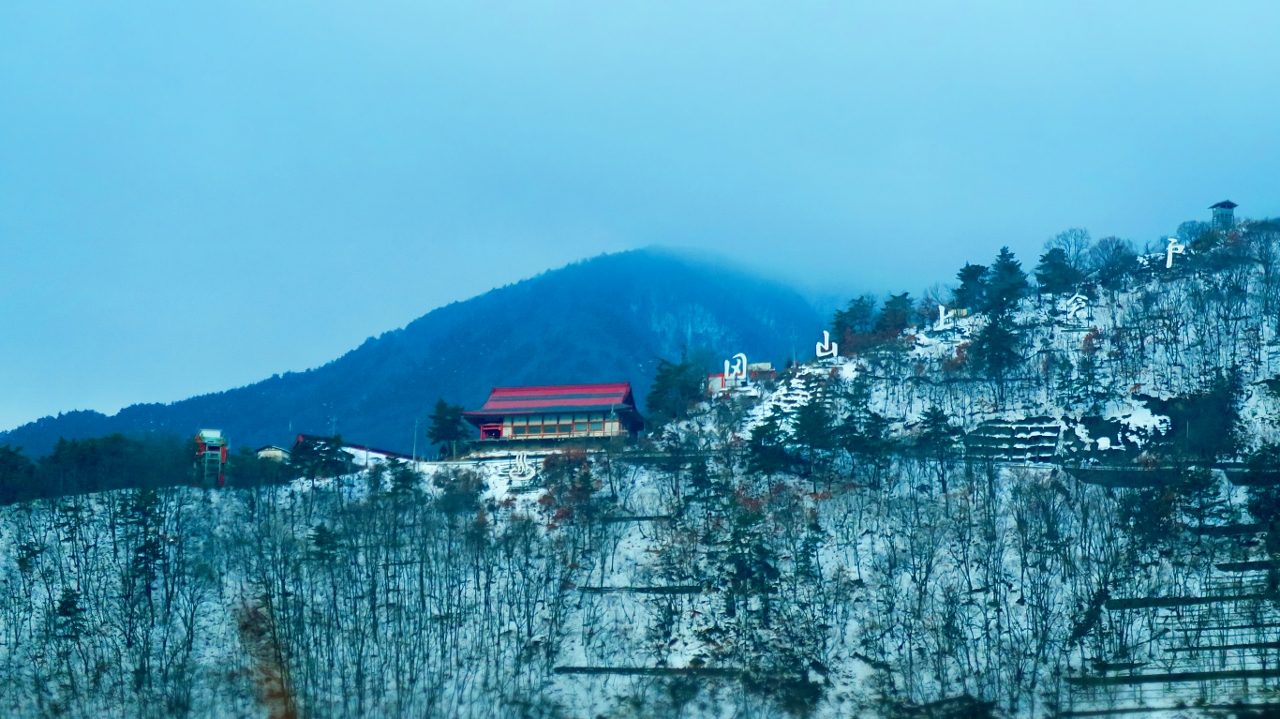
{"x": 197, "y": 195}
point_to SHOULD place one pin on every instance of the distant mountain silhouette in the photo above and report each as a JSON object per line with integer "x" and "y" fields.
{"x": 609, "y": 318}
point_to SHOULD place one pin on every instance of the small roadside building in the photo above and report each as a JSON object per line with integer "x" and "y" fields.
{"x": 273, "y": 453}
{"x": 558, "y": 412}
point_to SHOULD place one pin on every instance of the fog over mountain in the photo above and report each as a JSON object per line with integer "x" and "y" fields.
{"x": 604, "y": 319}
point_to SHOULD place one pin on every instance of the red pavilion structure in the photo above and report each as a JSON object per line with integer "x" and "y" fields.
{"x": 576, "y": 411}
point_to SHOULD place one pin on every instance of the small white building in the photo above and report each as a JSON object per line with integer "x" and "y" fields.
{"x": 272, "y": 452}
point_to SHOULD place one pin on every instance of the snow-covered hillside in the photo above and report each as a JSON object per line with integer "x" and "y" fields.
{"x": 897, "y": 533}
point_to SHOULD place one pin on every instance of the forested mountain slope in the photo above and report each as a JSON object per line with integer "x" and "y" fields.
{"x": 605, "y": 319}
{"x": 1061, "y": 504}
{"x": 1171, "y": 361}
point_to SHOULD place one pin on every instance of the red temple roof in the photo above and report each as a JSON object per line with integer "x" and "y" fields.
{"x": 514, "y": 401}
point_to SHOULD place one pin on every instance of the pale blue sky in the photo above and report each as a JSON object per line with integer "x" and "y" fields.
{"x": 196, "y": 195}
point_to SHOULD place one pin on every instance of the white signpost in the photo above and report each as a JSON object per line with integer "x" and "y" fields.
{"x": 521, "y": 470}
{"x": 827, "y": 348}
{"x": 1174, "y": 248}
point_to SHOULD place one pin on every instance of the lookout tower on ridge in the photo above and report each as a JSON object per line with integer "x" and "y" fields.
{"x": 1224, "y": 216}
{"x": 211, "y": 457}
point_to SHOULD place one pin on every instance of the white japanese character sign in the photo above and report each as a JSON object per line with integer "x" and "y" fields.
{"x": 736, "y": 370}
{"x": 1174, "y": 248}
{"x": 826, "y": 348}
{"x": 1076, "y": 305}
{"x": 945, "y": 317}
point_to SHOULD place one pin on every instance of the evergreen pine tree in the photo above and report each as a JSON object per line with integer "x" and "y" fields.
{"x": 376, "y": 477}
{"x": 997, "y": 349}
{"x": 751, "y": 564}
{"x": 319, "y": 457}
{"x": 857, "y": 318}
{"x": 937, "y": 441}
{"x": 69, "y": 619}
{"x": 808, "y": 566}
{"x": 1086, "y": 390}
{"x": 864, "y": 434}
{"x": 16, "y": 473}
{"x": 405, "y": 478}
{"x": 676, "y": 387}
{"x": 972, "y": 292}
{"x": 324, "y": 543}
{"x": 894, "y": 318}
{"x": 767, "y": 450}
{"x": 1006, "y": 283}
{"x": 813, "y": 431}
{"x": 1055, "y": 274}
{"x": 447, "y": 426}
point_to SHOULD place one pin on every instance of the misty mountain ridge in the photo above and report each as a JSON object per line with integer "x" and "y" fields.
{"x": 608, "y": 318}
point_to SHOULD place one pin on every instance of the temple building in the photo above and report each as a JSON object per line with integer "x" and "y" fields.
{"x": 559, "y": 412}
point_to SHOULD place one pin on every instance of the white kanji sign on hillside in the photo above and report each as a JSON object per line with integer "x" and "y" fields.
{"x": 827, "y": 348}
{"x": 1174, "y": 248}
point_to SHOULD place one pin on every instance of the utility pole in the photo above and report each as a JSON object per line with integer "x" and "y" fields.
{"x": 415, "y": 444}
